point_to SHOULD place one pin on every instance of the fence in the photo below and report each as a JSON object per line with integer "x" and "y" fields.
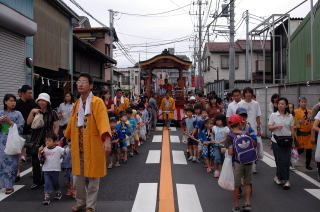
{"x": 291, "y": 91}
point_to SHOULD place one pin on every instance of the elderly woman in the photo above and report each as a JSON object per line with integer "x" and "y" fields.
{"x": 8, "y": 163}
{"x": 51, "y": 125}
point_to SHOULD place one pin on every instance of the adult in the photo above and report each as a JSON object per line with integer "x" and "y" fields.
{"x": 273, "y": 105}
{"x": 162, "y": 90}
{"x": 281, "y": 124}
{"x": 8, "y": 163}
{"x": 64, "y": 112}
{"x": 154, "y": 108}
{"x": 200, "y": 100}
{"x": 213, "y": 108}
{"x": 167, "y": 85}
{"x": 90, "y": 133}
{"x": 168, "y": 107}
{"x": 108, "y": 101}
{"x": 233, "y": 106}
{"x": 51, "y": 125}
{"x": 121, "y": 103}
{"x": 304, "y": 128}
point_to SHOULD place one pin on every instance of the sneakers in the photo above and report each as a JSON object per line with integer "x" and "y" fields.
{"x": 309, "y": 168}
{"x": 58, "y": 195}
{"x": 190, "y": 158}
{"x": 216, "y": 174}
{"x": 131, "y": 154}
{"x": 110, "y": 166}
{"x": 117, "y": 164}
{"x": 236, "y": 209}
{"x": 286, "y": 186}
{"x": 46, "y": 200}
{"x": 246, "y": 208}
{"x": 276, "y": 180}
{"x": 194, "y": 159}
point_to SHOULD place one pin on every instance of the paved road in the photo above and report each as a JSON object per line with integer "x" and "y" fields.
{"x": 137, "y": 186}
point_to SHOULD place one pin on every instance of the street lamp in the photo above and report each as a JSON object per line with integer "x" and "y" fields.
{"x": 215, "y": 68}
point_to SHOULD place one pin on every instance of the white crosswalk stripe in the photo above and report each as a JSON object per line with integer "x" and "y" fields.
{"x": 174, "y": 139}
{"x": 188, "y": 199}
{"x": 154, "y": 156}
{"x": 157, "y": 138}
{"x": 178, "y": 158}
{"x": 314, "y": 192}
{"x": 15, "y": 187}
{"x": 146, "y": 198}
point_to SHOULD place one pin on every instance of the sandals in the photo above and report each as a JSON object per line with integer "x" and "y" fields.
{"x": 209, "y": 170}
{"x": 9, "y": 191}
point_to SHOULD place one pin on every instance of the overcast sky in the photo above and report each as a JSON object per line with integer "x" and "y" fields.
{"x": 145, "y": 31}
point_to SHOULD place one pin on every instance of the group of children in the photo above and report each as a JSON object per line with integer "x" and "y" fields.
{"x": 210, "y": 139}
{"x": 128, "y": 133}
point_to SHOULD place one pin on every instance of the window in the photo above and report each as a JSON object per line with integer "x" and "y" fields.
{"x": 125, "y": 80}
{"x": 225, "y": 61}
{"x": 136, "y": 80}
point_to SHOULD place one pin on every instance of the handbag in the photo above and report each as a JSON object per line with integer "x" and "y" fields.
{"x": 37, "y": 122}
{"x": 283, "y": 141}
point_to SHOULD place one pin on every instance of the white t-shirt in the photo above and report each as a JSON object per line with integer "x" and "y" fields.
{"x": 285, "y": 121}
{"x": 53, "y": 159}
{"x": 220, "y": 133}
{"x": 317, "y": 117}
{"x": 254, "y": 111}
{"x": 232, "y": 108}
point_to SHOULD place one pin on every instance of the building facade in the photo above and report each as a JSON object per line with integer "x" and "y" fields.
{"x": 130, "y": 80}
{"x": 17, "y": 26}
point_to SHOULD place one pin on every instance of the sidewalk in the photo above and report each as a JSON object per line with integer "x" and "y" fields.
{"x": 301, "y": 163}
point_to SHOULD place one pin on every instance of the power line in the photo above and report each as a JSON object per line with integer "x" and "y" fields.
{"x": 153, "y": 14}
{"x": 159, "y": 42}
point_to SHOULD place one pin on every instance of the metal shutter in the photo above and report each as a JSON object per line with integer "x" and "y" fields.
{"x": 12, "y": 63}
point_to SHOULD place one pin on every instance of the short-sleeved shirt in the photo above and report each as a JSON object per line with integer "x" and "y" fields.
{"x": 123, "y": 131}
{"x": 66, "y": 110}
{"x": 220, "y": 133}
{"x": 249, "y": 131}
{"x": 232, "y": 108}
{"x": 213, "y": 111}
{"x": 190, "y": 124}
{"x": 283, "y": 120}
{"x": 254, "y": 111}
{"x": 53, "y": 159}
{"x": 133, "y": 124}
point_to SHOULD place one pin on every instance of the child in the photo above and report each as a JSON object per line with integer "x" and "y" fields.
{"x": 115, "y": 144}
{"x": 189, "y": 131}
{"x": 206, "y": 138}
{"x": 243, "y": 157}
{"x": 133, "y": 125}
{"x": 220, "y": 131}
{"x": 50, "y": 156}
{"x": 66, "y": 166}
{"x": 145, "y": 118}
{"x": 123, "y": 131}
{"x": 199, "y": 128}
{"x": 197, "y": 111}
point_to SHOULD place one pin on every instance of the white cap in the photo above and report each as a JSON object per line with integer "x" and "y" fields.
{"x": 192, "y": 98}
{"x": 45, "y": 97}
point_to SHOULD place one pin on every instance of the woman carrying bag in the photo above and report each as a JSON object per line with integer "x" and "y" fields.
{"x": 281, "y": 125}
{"x": 43, "y": 121}
{"x": 8, "y": 163}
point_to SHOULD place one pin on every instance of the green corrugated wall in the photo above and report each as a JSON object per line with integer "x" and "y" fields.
{"x": 300, "y": 70}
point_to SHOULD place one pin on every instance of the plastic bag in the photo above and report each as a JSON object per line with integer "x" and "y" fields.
{"x": 37, "y": 122}
{"x": 317, "y": 154}
{"x": 15, "y": 142}
{"x": 143, "y": 132}
{"x": 226, "y": 179}
{"x": 294, "y": 156}
{"x": 260, "y": 148}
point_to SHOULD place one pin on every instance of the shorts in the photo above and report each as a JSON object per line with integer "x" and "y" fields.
{"x": 242, "y": 171}
{"x": 192, "y": 142}
{"x": 123, "y": 145}
{"x": 115, "y": 148}
{"x": 136, "y": 137}
{"x": 215, "y": 153}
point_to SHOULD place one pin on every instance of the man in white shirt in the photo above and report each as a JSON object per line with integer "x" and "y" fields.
{"x": 233, "y": 106}
{"x": 254, "y": 114}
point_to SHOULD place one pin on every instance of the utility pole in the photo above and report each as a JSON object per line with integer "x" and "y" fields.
{"x": 200, "y": 43}
{"x": 231, "y": 48}
{"x": 111, "y": 19}
{"x": 247, "y": 46}
{"x": 311, "y": 40}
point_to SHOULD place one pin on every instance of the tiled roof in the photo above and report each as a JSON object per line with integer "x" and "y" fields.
{"x": 239, "y": 44}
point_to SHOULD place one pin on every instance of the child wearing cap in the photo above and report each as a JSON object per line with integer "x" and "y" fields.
{"x": 242, "y": 171}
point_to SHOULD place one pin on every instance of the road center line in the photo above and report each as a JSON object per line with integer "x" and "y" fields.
{"x": 146, "y": 198}
{"x": 153, "y": 156}
{"x": 166, "y": 199}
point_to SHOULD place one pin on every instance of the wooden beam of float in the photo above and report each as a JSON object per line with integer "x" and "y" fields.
{"x": 163, "y": 61}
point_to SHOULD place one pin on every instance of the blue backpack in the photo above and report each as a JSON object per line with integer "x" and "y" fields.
{"x": 245, "y": 151}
